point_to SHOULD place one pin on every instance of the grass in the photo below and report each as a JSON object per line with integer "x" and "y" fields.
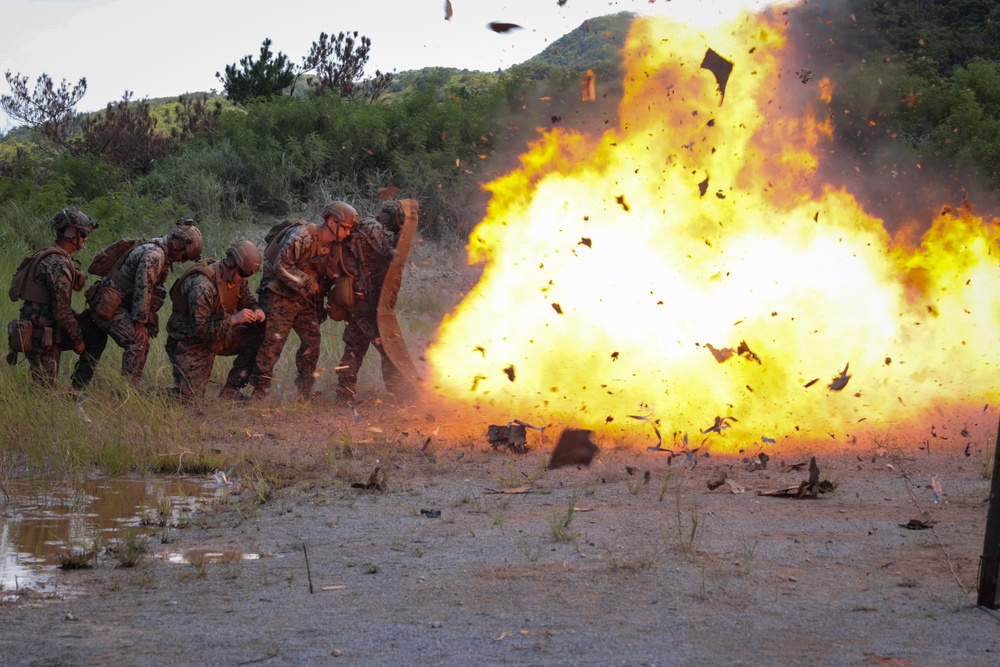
{"x": 131, "y": 548}
{"x": 559, "y": 523}
{"x": 79, "y": 556}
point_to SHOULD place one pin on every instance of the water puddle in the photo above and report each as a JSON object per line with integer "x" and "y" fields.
{"x": 46, "y": 520}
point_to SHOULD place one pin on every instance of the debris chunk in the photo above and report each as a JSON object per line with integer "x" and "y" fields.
{"x": 513, "y": 437}
{"x": 720, "y": 67}
{"x": 574, "y": 448}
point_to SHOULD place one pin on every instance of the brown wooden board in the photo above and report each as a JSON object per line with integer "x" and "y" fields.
{"x": 388, "y": 325}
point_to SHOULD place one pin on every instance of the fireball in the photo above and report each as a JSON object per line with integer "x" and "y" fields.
{"x": 690, "y": 268}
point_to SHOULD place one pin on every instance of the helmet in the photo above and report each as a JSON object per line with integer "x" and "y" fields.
{"x": 186, "y": 237}
{"x": 72, "y": 218}
{"x": 341, "y": 213}
{"x": 392, "y": 215}
{"x": 245, "y": 257}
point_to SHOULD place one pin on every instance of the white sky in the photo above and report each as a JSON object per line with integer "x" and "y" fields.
{"x": 164, "y": 49}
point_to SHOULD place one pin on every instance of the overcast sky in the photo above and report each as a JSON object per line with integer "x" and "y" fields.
{"x": 162, "y": 49}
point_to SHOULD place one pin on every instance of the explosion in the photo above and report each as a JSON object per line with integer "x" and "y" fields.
{"x": 690, "y": 268}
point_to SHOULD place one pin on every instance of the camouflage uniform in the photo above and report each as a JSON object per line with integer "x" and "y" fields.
{"x": 197, "y": 336}
{"x": 372, "y": 247}
{"x": 291, "y": 304}
{"x": 56, "y": 273}
{"x": 142, "y": 284}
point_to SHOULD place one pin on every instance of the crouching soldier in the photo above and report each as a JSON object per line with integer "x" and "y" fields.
{"x": 45, "y": 281}
{"x": 214, "y": 314}
{"x": 125, "y": 303}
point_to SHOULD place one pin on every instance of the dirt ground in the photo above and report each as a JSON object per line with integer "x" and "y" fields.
{"x": 629, "y": 561}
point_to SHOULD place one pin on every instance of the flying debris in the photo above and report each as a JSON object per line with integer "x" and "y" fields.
{"x": 840, "y": 381}
{"x": 620, "y": 200}
{"x": 574, "y": 448}
{"x": 500, "y": 27}
{"x": 720, "y": 355}
{"x": 510, "y": 372}
{"x": 556, "y": 119}
{"x": 720, "y": 423}
{"x": 586, "y": 241}
{"x": 805, "y": 75}
{"x": 811, "y": 383}
{"x": 447, "y": 10}
{"x": 659, "y": 440}
{"x": 744, "y": 351}
{"x": 720, "y": 67}
{"x": 556, "y": 307}
{"x": 561, "y": 2}
{"x": 703, "y": 187}
{"x": 684, "y": 456}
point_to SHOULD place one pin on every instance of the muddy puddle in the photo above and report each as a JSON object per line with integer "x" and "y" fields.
{"x": 44, "y": 521}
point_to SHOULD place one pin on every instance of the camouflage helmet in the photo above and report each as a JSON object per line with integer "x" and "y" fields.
{"x": 187, "y": 238}
{"x": 72, "y": 218}
{"x": 392, "y": 215}
{"x": 245, "y": 257}
{"x": 341, "y": 213}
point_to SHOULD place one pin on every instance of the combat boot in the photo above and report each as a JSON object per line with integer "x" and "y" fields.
{"x": 233, "y": 394}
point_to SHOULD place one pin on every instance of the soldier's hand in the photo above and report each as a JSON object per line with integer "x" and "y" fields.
{"x": 241, "y": 317}
{"x": 80, "y": 347}
{"x": 259, "y": 315}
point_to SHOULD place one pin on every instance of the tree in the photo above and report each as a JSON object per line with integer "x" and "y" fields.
{"x": 48, "y": 109}
{"x": 125, "y": 134}
{"x": 269, "y": 76}
{"x": 339, "y": 62}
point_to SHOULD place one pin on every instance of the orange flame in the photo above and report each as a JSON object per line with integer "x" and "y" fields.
{"x": 686, "y": 267}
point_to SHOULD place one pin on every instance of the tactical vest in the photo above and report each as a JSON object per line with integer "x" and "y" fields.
{"x": 25, "y": 286}
{"x": 227, "y": 295}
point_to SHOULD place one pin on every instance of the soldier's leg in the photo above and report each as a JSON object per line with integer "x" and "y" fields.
{"x": 395, "y": 383}
{"x": 277, "y": 326}
{"x": 307, "y": 357}
{"x": 192, "y": 365}
{"x": 44, "y": 363}
{"x": 96, "y": 340}
{"x": 133, "y": 341}
{"x": 244, "y": 344}
{"x": 356, "y": 341}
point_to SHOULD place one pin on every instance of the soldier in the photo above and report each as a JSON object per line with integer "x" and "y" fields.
{"x": 215, "y": 314}
{"x": 373, "y": 245}
{"x": 125, "y": 303}
{"x": 46, "y": 281}
{"x": 300, "y": 263}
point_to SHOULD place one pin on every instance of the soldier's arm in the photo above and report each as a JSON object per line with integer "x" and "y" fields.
{"x": 60, "y": 273}
{"x": 147, "y": 278}
{"x": 293, "y": 250}
{"x": 209, "y": 324}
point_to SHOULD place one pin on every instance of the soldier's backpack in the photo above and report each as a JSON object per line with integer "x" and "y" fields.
{"x": 113, "y": 256}
{"x": 23, "y": 286}
{"x": 272, "y": 240}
